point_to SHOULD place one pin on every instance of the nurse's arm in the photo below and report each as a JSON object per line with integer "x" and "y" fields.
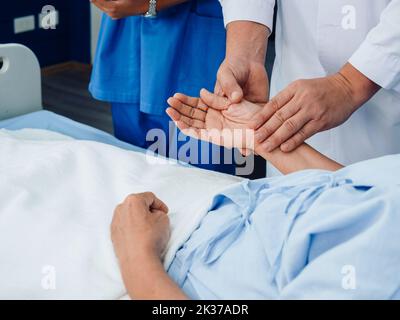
{"x": 233, "y": 127}
{"x": 118, "y": 9}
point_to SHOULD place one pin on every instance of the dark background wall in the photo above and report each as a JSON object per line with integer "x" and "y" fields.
{"x": 69, "y": 41}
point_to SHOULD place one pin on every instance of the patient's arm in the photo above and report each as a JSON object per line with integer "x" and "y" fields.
{"x": 233, "y": 126}
{"x": 304, "y": 157}
{"x": 140, "y": 232}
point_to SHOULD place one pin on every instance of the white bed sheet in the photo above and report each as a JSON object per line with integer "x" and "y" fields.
{"x": 57, "y": 197}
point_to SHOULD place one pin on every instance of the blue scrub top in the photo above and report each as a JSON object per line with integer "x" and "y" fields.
{"x": 145, "y": 61}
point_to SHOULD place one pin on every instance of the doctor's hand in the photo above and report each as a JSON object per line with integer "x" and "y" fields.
{"x": 230, "y": 127}
{"x": 242, "y": 74}
{"x": 140, "y": 228}
{"x": 240, "y": 78}
{"x": 307, "y": 107}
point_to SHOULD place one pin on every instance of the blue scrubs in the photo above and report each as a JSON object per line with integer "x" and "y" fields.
{"x": 141, "y": 62}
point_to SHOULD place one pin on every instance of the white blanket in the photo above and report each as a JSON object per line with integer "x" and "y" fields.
{"x": 57, "y": 198}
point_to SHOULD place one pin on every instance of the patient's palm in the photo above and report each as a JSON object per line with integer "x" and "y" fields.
{"x": 237, "y": 116}
{"x": 196, "y": 119}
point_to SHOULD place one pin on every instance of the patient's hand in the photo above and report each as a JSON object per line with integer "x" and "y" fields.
{"x": 231, "y": 125}
{"x": 140, "y": 232}
{"x": 196, "y": 118}
{"x": 140, "y": 227}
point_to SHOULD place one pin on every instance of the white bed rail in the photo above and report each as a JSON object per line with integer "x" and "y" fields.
{"x": 20, "y": 81}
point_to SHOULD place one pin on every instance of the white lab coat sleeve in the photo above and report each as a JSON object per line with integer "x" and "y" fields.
{"x": 378, "y": 57}
{"x": 260, "y": 11}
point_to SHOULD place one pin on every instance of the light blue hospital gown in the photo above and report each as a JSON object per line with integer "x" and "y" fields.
{"x": 309, "y": 235}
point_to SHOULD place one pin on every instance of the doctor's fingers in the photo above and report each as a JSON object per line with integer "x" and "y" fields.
{"x": 186, "y": 111}
{"x": 302, "y": 135}
{"x": 276, "y": 103}
{"x": 218, "y": 90}
{"x": 214, "y": 101}
{"x": 278, "y": 118}
{"x": 288, "y": 129}
{"x": 193, "y": 102}
{"x": 229, "y": 84}
{"x": 188, "y": 131}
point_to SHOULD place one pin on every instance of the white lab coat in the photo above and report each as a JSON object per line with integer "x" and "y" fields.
{"x": 315, "y": 38}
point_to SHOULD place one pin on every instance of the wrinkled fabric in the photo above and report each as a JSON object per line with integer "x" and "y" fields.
{"x": 312, "y": 234}
{"x": 57, "y": 198}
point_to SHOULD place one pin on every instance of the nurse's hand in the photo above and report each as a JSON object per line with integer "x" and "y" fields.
{"x": 118, "y": 9}
{"x": 230, "y": 127}
{"x": 307, "y": 107}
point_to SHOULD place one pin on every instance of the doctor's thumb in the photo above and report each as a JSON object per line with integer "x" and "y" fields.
{"x": 230, "y": 86}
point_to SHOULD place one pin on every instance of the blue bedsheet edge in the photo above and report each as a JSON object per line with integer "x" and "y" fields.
{"x": 47, "y": 120}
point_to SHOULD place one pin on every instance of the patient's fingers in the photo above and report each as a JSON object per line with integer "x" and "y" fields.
{"x": 189, "y": 131}
{"x": 200, "y": 134}
{"x": 187, "y": 110}
{"x": 184, "y": 127}
{"x": 202, "y": 106}
{"x": 214, "y": 101}
{"x": 149, "y": 202}
{"x": 190, "y": 122}
{"x": 159, "y": 205}
{"x": 174, "y": 115}
{"x": 154, "y": 203}
{"x": 190, "y": 101}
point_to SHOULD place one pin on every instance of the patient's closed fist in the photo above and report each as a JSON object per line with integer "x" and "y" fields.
{"x": 140, "y": 227}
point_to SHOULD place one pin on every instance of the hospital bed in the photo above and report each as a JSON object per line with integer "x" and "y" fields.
{"x": 21, "y": 100}
{"x": 91, "y": 179}
{"x": 80, "y": 245}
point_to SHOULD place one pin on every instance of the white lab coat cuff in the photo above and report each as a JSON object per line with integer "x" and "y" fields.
{"x": 375, "y": 63}
{"x": 260, "y": 11}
